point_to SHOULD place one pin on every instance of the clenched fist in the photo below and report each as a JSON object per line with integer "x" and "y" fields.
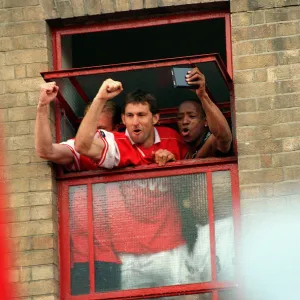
{"x": 109, "y": 89}
{"x": 48, "y": 93}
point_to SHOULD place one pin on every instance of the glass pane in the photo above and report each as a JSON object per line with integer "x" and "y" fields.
{"x": 227, "y": 295}
{"x": 107, "y": 261}
{"x": 71, "y": 96}
{"x": 145, "y": 232}
{"x": 164, "y": 37}
{"x": 224, "y": 231}
{"x": 161, "y": 84}
{"x": 222, "y": 195}
{"x": 78, "y": 207}
{"x": 204, "y": 296}
{"x": 199, "y": 264}
{"x": 67, "y": 129}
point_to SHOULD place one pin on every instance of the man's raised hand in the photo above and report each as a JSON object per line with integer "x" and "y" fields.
{"x": 195, "y": 77}
{"x": 48, "y": 93}
{"x": 109, "y": 89}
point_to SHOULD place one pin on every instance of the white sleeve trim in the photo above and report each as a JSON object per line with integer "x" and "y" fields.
{"x": 75, "y": 166}
{"x": 110, "y": 156}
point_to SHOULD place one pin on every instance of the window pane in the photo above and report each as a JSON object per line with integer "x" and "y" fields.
{"x": 107, "y": 261}
{"x": 71, "y": 96}
{"x": 224, "y": 231}
{"x": 145, "y": 232}
{"x": 164, "y": 37}
{"x": 78, "y": 207}
{"x": 199, "y": 264}
{"x": 227, "y": 295}
{"x": 67, "y": 129}
{"x": 204, "y": 296}
{"x": 158, "y": 81}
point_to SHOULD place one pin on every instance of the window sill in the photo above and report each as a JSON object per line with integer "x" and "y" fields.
{"x": 206, "y": 162}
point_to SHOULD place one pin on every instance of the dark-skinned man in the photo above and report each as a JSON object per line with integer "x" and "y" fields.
{"x": 206, "y": 134}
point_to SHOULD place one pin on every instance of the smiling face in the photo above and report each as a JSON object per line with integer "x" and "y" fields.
{"x": 139, "y": 122}
{"x": 191, "y": 121}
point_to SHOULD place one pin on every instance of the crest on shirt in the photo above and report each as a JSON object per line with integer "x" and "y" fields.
{"x": 102, "y": 133}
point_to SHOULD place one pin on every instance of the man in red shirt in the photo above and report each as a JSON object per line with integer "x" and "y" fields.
{"x": 59, "y": 153}
{"x": 141, "y": 140}
{"x": 107, "y": 263}
{"x": 143, "y": 215}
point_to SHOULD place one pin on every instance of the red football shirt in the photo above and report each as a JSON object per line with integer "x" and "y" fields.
{"x": 120, "y": 150}
{"x": 81, "y": 162}
{"x": 143, "y": 214}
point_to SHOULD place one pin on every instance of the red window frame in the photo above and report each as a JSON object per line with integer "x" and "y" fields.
{"x": 144, "y": 172}
{"x": 58, "y": 33}
{"x": 71, "y": 74}
{"x": 154, "y": 21}
{"x": 176, "y": 168}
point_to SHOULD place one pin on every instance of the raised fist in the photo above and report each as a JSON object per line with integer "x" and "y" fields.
{"x": 48, "y": 93}
{"x": 109, "y": 89}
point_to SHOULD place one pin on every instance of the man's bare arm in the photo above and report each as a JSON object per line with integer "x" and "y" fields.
{"x": 85, "y": 141}
{"x": 216, "y": 121}
{"x": 56, "y": 153}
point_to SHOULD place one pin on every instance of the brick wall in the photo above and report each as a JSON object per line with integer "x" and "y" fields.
{"x": 25, "y": 51}
{"x": 75, "y": 8}
{"x": 266, "y": 42}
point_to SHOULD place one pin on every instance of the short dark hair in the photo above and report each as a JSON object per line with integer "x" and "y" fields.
{"x": 143, "y": 97}
{"x": 113, "y": 108}
{"x": 197, "y": 102}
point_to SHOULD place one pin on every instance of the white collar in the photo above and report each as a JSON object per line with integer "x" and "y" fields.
{"x": 156, "y": 137}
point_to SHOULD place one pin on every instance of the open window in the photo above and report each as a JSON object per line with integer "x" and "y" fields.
{"x": 108, "y": 238}
{"x": 77, "y": 87}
